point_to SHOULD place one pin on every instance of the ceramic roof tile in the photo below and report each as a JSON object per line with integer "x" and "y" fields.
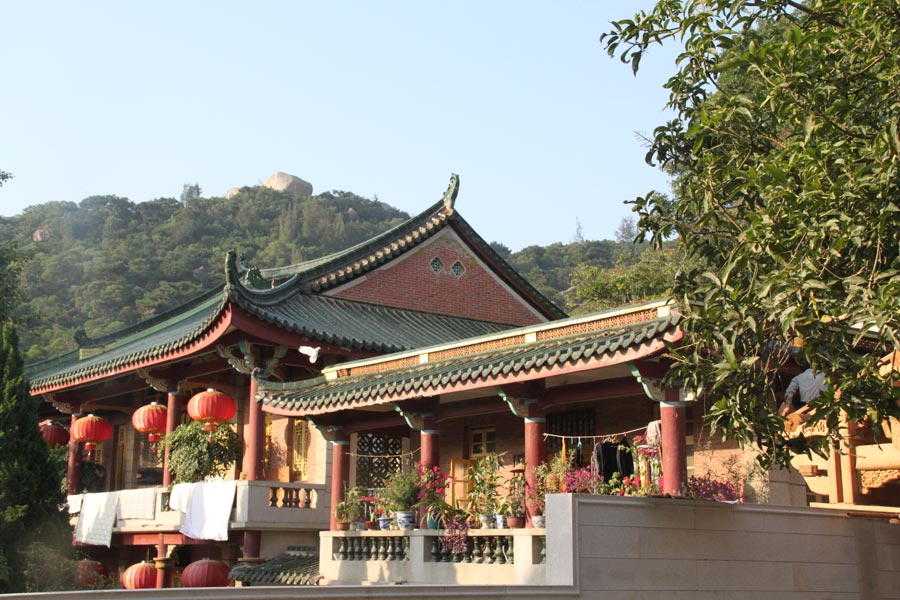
{"x": 295, "y": 566}
{"x": 318, "y": 395}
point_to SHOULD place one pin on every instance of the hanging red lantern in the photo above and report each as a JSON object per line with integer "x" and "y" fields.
{"x": 211, "y": 407}
{"x": 91, "y": 430}
{"x": 54, "y": 434}
{"x": 205, "y": 573}
{"x": 151, "y": 419}
{"x": 90, "y": 573}
{"x": 141, "y": 576}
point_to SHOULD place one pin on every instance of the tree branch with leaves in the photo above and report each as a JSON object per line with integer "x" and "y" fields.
{"x": 786, "y": 148}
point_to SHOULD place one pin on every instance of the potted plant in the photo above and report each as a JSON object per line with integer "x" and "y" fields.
{"x": 536, "y": 493}
{"x": 432, "y": 487}
{"x": 513, "y": 505}
{"x": 483, "y": 476}
{"x": 402, "y": 495}
{"x": 350, "y": 509}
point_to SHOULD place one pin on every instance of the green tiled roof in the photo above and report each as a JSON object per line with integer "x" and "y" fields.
{"x": 346, "y": 323}
{"x": 295, "y": 566}
{"x": 363, "y": 326}
{"x": 319, "y": 396}
{"x": 146, "y": 341}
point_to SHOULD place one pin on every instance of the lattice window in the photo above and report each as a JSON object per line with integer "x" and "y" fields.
{"x": 458, "y": 269}
{"x": 482, "y": 441}
{"x": 300, "y": 450}
{"x": 378, "y": 456}
{"x": 572, "y": 424}
{"x": 436, "y": 265}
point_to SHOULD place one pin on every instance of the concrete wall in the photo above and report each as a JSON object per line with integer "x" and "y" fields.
{"x": 648, "y": 548}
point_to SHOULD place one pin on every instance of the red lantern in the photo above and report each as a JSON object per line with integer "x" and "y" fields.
{"x": 91, "y": 430}
{"x": 151, "y": 419}
{"x": 205, "y": 573}
{"x": 141, "y": 576}
{"x": 54, "y": 434}
{"x": 211, "y": 407}
{"x": 90, "y": 573}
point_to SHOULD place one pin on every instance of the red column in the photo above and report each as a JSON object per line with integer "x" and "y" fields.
{"x": 73, "y": 466}
{"x": 173, "y": 419}
{"x": 161, "y": 553}
{"x": 674, "y": 452}
{"x": 340, "y": 470}
{"x": 429, "y": 455}
{"x": 254, "y": 463}
{"x": 535, "y": 449}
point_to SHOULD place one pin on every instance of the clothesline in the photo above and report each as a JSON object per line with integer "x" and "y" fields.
{"x": 404, "y": 455}
{"x": 594, "y": 437}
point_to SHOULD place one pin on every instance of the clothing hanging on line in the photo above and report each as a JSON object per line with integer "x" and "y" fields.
{"x": 611, "y": 457}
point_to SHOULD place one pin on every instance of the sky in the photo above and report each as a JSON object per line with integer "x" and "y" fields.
{"x": 386, "y": 99}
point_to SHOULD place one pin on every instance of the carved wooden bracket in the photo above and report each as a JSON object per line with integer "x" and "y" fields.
{"x": 68, "y": 408}
{"x": 331, "y": 433}
{"x": 417, "y": 421}
{"x": 161, "y": 384}
{"x": 247, "y": 362}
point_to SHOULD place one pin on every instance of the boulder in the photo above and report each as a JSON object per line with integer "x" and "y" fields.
{"x": 284, "y": 182}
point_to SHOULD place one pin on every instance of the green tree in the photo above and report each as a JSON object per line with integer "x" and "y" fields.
{"x": 786, "y": 147}
{"x": 29, "y": 480}
{"x": 650, "y": 274}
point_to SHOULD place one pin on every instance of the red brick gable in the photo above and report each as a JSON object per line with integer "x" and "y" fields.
{"x": 444, "y": 276}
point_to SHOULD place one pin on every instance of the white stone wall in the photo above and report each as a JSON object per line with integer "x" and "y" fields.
{"x": 649, "y": 548}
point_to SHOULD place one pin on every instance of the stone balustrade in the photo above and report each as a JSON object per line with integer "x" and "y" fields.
{"x": 509, "y": 556}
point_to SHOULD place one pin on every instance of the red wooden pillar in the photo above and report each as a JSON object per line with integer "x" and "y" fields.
{"x": 161, "y": 554}
{"x": 254, "y": 463}
{"x": 73, "y": 466}
{"x": 535, "y": 450}
{"x": 674, "y": 451}
{"x": 429, "y": 454}
{"x": 173, "y": 419}
{"x": 340, "y": 470}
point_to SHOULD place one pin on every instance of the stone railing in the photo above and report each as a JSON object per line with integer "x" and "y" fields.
{"x": 504, "y": 556}
{"x": 280, "y": 505}
{"x": 257, "y": 505}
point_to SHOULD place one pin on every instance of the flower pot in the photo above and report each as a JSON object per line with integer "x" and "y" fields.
{"x": 357, "y": 526}
{"x": 342, "y": 526}
{"x": 433, "y": 522}
{"x": 538, "y": 521}
{"x": 500, "y": 521}
{"x": 384, "y": 523}
{"x": 406, "y": 519}
{"x": 371, "y": 525}
{"x": 487, "y": 521}
{"x": 515, "y": 522}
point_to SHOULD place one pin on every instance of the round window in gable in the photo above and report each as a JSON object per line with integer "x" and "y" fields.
{"x": 458, "y": 269}
{"x": 436, "y": 265}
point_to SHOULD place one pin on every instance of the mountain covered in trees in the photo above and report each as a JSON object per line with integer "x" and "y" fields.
{"x": 107, "y": 262}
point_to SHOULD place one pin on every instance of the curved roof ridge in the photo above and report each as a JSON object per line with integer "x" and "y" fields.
{"x": 311, "y": 269}
{"x": 83, "y": 341}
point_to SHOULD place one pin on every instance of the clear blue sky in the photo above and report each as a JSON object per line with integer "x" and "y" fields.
{"x": 136, "y": 99}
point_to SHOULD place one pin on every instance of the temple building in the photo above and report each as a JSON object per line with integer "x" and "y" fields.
{"x": 421, "y": 345}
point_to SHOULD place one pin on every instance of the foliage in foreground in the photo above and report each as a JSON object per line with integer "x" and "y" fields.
{"x": 786, "y": 144}
{"x": 195, "y": 454}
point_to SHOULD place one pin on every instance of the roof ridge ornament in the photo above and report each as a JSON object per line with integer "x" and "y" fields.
{"x": 450, "y": 194}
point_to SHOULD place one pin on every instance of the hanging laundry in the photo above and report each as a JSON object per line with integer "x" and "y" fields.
{"x": 654, "y": 433}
